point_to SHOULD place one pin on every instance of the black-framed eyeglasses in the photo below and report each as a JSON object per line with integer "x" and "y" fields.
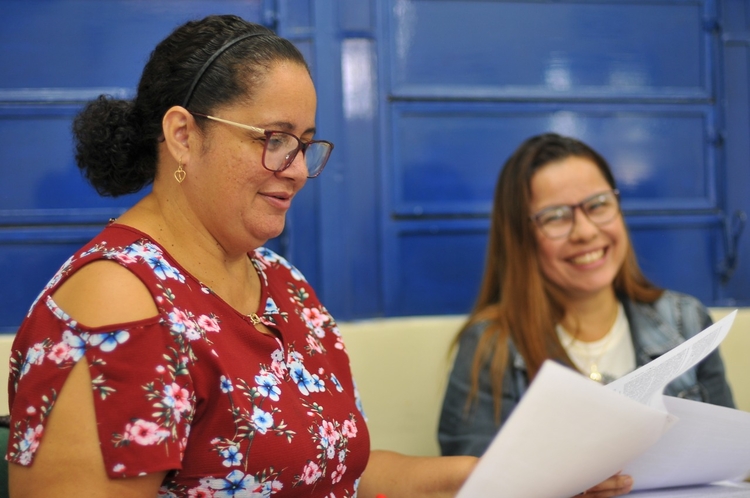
{"x": 280, "y": 148}
{"x": 557, "y": 222}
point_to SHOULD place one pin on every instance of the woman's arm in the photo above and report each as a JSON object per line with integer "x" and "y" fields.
{"x": 614, "y": 486}
{"x": 400, "y": 476}
{"x": 463, "y": 431}
{"x": 69, "y": 461}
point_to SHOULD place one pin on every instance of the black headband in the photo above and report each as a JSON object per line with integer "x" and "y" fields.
{"x": 210, "y": 61}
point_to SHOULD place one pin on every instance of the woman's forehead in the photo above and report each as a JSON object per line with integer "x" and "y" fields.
{"x": 567, "y": 181}
{"x": 284, "y": 97}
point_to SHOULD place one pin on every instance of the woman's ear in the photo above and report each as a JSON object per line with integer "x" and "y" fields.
{"x": 177, "y": 126}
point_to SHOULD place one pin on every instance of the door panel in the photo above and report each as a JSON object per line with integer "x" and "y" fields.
{"x": 554, "y": 49}
{"x": 447, "y": 156}
{"x": 85, "y": 44}
{"x": 41, "y": 182}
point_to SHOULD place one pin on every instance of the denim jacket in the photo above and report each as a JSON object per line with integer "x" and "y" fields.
{"x": 655, "y": 328}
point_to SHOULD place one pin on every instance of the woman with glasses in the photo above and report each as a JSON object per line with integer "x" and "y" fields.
{"x": 561, "y": 282}
{"x": 173, "y": 355}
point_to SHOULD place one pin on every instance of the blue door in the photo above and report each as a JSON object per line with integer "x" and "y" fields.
{"x": 424, "y": 99}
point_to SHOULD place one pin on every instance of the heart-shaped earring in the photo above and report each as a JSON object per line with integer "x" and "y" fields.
{"x": 180, "y": 174}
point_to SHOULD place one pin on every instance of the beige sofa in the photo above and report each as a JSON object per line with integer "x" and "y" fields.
{"x": 401, "y": 366}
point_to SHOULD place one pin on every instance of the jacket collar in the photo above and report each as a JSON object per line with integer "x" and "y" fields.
{"x": 652, "y": 334}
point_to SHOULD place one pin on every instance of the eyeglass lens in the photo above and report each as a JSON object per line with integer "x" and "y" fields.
{"x": 281, "y": 149}
{"x": 557, "y": 221}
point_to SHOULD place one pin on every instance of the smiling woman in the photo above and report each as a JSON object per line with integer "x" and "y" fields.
{"x": 561, "y": 281}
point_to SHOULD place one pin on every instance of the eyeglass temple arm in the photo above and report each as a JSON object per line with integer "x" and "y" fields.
{"x": 232, "y": 123}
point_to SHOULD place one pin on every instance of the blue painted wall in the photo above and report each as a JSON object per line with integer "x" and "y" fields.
{"x": 424, "y": 100}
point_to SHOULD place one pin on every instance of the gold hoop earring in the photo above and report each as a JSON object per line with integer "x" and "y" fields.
{"x": 180, "y": 174}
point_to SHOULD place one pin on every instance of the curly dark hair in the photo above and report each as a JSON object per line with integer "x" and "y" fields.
{"x": 116, "y": 141}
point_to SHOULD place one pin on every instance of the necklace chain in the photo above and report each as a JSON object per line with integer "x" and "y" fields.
{"x": 594, "y": 373}
{"x": 593, "y": 359}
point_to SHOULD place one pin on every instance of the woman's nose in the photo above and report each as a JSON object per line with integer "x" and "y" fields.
{"x": 298, "y": 168}
{"x": 583, "y": 228}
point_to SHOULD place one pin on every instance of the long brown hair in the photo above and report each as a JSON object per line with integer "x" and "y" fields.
{"x": 515, "y": 298}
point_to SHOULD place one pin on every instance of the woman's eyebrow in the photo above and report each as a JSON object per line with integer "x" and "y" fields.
{"x": 287, "y": 126}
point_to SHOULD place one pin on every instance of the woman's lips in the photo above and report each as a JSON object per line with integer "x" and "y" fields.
{"x": 280, "y": 200}
{"x": 588, "y": 258}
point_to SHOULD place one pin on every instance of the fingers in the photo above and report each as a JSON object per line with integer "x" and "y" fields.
{"x": 614, "y": 486}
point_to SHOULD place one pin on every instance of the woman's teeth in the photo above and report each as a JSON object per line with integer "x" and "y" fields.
{"x": 589, "y": 257}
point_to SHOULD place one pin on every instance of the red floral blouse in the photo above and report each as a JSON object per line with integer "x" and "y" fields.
{"x": 197, "y": 390}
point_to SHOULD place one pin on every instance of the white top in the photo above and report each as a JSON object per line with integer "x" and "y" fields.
{"x": 612, "y": 356}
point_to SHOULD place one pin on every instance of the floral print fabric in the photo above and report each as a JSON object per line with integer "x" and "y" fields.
{"x": 197, "y": 390}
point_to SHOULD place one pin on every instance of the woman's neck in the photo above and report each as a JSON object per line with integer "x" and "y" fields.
{"x": 227, "y": 273}
{"x": 591, "y": 318}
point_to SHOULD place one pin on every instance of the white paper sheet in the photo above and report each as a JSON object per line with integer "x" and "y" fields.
{"x": 646, "y": 384}
{"x": 710, "y": 443}
{"x": 566, "y": 435}
{"x": 718, "y": 490}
